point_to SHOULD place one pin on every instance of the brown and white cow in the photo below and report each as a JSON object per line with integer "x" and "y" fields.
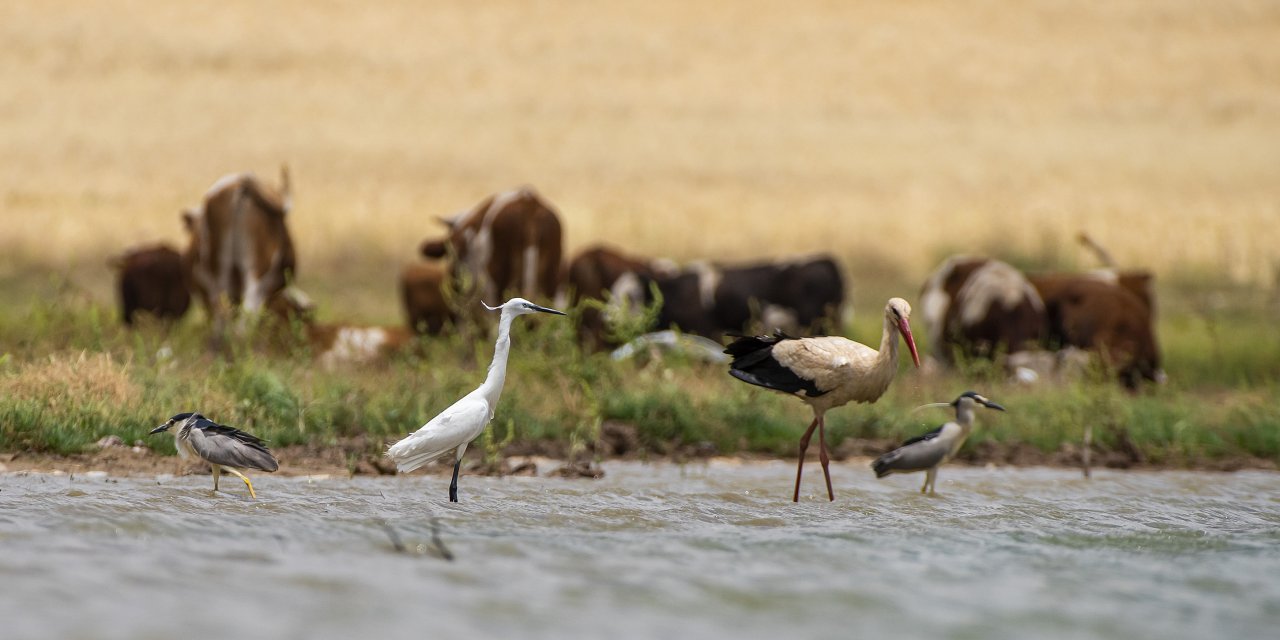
{"x": 508, "y": 243}
{"x": 150, "y": 280}
{"x": 422, "y": 292}
{"x": 794, "y": 296}
{"x": 334, "y": 344}
{"x": 240, "y": 252}
{"x": 977, "y": 307}
{"x": 605, "y": 274}
{"x": 1108, "y": 313}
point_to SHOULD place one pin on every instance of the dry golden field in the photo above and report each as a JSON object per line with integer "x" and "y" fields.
{"x": 886, "y": 132}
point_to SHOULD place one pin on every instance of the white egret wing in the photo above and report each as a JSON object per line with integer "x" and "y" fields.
{"x": 454, "y": 427}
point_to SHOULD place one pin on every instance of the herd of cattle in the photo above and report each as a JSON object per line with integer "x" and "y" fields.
{"x": 240, "y": 259}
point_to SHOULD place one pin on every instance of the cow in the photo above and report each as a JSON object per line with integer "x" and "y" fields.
{"x": 240, "y": 253}
{"x": 333, "y": 344}
{"x": 801, "y": 295}
{"x": 977, "y": 307}
{"x": 150, "y": 280}
{"x": 1107, "y": 314}
{"x": 605, "y": 274}
{"x": 508, "y": 243}
{"x": 422, "y": 292}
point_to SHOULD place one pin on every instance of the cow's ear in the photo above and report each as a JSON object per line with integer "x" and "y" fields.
{"x": 189, "y": 220}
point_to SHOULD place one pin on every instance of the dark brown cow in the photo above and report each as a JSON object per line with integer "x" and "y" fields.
{"x": 240, "y": 252}
{"x": 977, "y": 307}
{"x": 509, "y": 243}
{"x": 1136, "y": 281}
{"x": 151, "y": 281}
{"x": 1102, "y": 312}
{"x": 422, "y": 291}
{"x": 592, "y": 275}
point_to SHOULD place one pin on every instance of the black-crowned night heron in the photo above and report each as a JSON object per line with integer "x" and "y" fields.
{"x": 224, "y": 448}
{"x": 931, "y": 450}
{"x": 462, "y": 422}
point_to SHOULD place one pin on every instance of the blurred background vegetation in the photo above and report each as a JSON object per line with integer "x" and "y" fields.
{"x": 888, "y": 134}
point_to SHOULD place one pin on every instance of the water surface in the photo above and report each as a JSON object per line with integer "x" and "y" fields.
{"x": 705, "y": 551}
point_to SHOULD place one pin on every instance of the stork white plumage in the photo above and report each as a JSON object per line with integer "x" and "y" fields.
{"x": 825, "y": 372}
{"x": 454, "y": 428}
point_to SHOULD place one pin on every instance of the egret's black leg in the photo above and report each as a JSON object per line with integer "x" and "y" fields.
{"x": 453, "y": 486}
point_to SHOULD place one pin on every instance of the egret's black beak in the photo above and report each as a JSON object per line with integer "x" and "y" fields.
{"x": 163, "y": 427}
{"x": 546, "y": 310}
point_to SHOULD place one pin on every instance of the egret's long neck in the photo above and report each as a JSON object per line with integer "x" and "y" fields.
{"x": 492, "y": 387}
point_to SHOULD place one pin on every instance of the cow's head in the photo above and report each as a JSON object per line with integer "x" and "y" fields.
{"x": 453, "y": 242}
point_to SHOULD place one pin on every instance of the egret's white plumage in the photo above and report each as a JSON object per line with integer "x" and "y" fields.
{"x": 454, "y": 428}
{"x": 825, "y": 372}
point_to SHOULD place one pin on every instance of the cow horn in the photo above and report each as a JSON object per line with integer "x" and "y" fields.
{"x": 286, "y": 191}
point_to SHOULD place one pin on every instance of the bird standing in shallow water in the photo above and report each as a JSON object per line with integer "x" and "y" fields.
{"x": 825, "y": 372}
{"x": 224, "y": 448}
{"x": 931, "y": 450}
{"x": 462, "y": 422}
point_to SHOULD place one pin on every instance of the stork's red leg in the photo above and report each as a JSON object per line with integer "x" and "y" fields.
{"x": 804, "y": 446}
{"x": 822, "y": 456}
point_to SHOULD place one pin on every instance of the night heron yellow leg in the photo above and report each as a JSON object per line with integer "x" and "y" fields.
{"x": 246, "y": 481}
{"x": 930, "y": 479}
{"x": 217, "y": 471}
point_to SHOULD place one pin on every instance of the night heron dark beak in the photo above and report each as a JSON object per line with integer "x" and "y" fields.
{"x": 991, "y": 405}
{"x": 163, "y": 427}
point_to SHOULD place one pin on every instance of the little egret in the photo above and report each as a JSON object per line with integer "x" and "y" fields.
{"x": 931, "y": 450}
{"x": 462, "y": 422}
{"x": 224, "y": 448}
{"x": 825, "y": 372}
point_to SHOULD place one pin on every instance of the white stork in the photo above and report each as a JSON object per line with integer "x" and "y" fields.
{"x": 825, "y": 372}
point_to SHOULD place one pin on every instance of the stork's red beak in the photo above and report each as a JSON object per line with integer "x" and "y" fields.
{"x": 905, "y": 328}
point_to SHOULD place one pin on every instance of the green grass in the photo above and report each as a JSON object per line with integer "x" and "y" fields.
{"x": 71, "y": 374}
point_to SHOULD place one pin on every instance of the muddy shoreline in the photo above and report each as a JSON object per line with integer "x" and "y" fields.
{"x": 354, "y": 457}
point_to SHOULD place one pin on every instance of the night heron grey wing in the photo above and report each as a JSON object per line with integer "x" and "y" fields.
{"x": 230, "y": 447}
{"x": 917, "y": 454}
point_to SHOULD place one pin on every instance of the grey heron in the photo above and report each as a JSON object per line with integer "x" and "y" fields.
{"x": 931, "y": 450}
{"x": 454, "y": 428}
{"x": 224, "y": 448}
{"x": 825, "y": 372}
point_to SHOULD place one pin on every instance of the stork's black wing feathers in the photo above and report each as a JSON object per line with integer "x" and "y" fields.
{"x": 753, "y": 363}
